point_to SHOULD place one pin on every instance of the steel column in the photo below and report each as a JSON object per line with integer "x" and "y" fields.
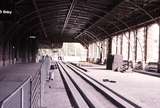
{"x": 109, "y": 46}
{"x": 116, "y": 44}
{"x": 135, "y": 45}
{"x": 159, "y": 48}
{"x": 145, "y": 43}
{"x": 129, "y": 45}
{"x": 121, "y": 44}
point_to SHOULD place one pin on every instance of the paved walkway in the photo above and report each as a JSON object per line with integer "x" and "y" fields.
{"x": 143, "y": 90}
{"x": 55, "y": 93}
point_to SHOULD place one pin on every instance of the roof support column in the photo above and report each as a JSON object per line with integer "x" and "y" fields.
{"x": 135, "y": 45}
{"x": 145, "y": 43}
{"x": 121, "y": 50}
{"x": 109, "y": 46}
{"x": 116, "y": 44}
{"x": 129, "y": 45}
{"x": 109, "y": 49}
{"x": 159, "y": 48}
{"x": 87, "y": 59}
{"x": 9, "y": 52}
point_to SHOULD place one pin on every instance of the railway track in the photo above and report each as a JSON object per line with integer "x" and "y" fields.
{"x": 85, "y": 92}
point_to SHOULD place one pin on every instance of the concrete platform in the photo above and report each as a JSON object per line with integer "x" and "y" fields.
{"x": 20, "y": 70}
{"x": 55, "y": 93}
{"x": 141, "y": 89}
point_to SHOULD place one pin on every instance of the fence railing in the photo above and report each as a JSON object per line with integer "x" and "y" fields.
{"x": 18, "y": 97}
{"x": 23, "y": 91}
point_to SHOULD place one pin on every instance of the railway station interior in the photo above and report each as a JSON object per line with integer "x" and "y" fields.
{"x": 79, "y": 53}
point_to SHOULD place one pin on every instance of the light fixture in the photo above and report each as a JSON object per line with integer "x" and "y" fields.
{"x": 32, "y": 37}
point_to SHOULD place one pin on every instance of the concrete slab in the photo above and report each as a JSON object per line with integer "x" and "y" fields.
{"x": 55, "y": 93}
{"x": 139, "y": 88}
